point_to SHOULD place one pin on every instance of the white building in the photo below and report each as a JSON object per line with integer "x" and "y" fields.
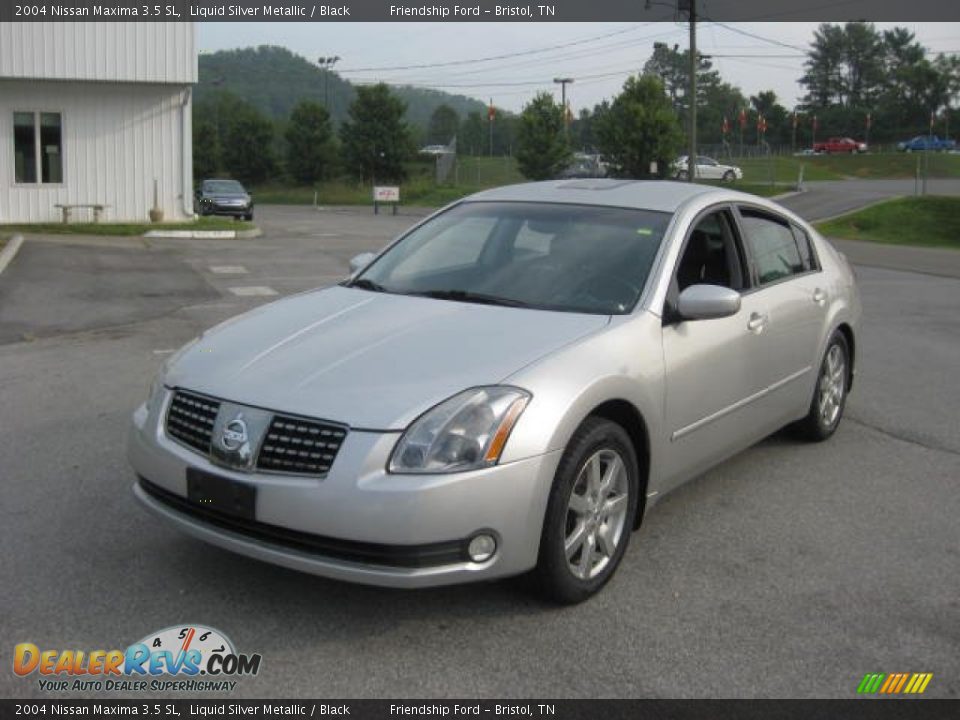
{"x": 92, "y": 113}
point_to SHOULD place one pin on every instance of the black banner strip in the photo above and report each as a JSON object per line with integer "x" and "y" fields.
{"x": 858, "y": 709}
{"x": 473, "y": 10}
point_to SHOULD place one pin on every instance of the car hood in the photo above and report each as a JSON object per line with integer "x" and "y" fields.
{"x": 370, "y": 360}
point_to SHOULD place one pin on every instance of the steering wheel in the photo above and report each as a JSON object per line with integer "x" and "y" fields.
{"x": 607, "y": 290}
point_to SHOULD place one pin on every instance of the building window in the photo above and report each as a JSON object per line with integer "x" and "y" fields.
{"x": 37, "y": 144}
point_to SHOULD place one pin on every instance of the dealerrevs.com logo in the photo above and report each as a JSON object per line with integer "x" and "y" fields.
{"x": 186, "y": 658}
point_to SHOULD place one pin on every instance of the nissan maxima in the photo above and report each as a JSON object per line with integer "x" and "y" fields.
{"x": 508, "y": 387}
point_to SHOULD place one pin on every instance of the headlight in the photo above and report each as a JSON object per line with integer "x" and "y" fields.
{"x": 466, "y": 432}
{"x": 156, "y": 388}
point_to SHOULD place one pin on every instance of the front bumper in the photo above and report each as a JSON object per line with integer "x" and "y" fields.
{"x": 358, "y": 523}
{"x": 212, "y": 208}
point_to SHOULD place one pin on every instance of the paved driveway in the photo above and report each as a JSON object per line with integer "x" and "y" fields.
{"x": 827, "y": 199}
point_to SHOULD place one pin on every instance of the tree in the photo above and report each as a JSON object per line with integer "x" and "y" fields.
{"x": 823, "y": 77}
{"x": 376, "y": 140}
{"x": 444, "y": 123}
{"x": 206, "y": 149}
{"x": 310, "y": 146}
{"x": 639, "y": 127}
{"x": 582, "y": 131}
{"x": 854, "y": 69}
{"x": 248, "y": 144}
{"x": 715, "y": 98}
{"x": 542, "y": 147}
{"x": 470, "y": 139}
{"x": 777, "y": 119}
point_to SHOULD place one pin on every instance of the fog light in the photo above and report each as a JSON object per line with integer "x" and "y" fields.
{"x": 482, "y": 548}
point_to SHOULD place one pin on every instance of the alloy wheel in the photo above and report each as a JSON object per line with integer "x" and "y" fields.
{"x": 596, "y": 514}
{"x": 833, "y": 378}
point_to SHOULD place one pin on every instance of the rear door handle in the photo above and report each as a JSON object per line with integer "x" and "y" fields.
{"x": 757, "y": 323}
{"x": 819, "y": 297}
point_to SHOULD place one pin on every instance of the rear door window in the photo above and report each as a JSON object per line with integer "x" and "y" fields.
{"x": 771, "y": 246}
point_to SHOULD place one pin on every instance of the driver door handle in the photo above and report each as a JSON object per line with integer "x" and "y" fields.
{"x": 819, "y": 297}
{"x": 757, "y": 323}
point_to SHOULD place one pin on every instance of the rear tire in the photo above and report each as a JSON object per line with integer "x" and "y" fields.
{"x": 590, "y": 513}
{"x": 830, "y": 394}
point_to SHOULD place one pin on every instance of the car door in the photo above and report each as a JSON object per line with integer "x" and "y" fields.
{"x": 789, "y": 292}
{"x": 711, "y": 366}
{"x": 707, "y": 168}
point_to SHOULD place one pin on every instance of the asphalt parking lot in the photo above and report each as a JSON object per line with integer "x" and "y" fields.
{"x": 789, "y": 571}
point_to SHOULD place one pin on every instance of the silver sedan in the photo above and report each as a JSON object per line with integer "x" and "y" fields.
{"x": 507, "y": 387}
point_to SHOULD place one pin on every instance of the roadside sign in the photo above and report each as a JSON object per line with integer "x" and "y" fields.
{"x": 386, "y": 194}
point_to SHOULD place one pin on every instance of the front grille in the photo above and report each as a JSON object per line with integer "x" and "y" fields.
{"x": 190, "y": 420}
{"x": 296, "y": 445}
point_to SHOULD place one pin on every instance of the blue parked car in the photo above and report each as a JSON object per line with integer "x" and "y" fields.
{"x": 927, "y": 142}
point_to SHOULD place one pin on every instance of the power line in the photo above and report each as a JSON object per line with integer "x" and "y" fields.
{"x": 772, "y": 41}
{"x": 504, "y": 56}
{"x": 510, "y": 83}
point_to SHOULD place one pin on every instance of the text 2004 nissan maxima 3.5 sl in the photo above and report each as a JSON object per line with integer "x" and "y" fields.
{"x": 507, "y": 387}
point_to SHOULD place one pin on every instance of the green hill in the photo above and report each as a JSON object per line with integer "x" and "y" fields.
{"x": 275, "y": 80}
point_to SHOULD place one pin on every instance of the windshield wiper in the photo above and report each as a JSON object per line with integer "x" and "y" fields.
{"x": 365, "y": 284}
{"x": 471, "y": 297}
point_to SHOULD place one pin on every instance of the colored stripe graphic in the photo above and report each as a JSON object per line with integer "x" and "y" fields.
{"x": 891, "y": 680}
{"x": 894, "y": 683}
{"x": 871, "y": 682}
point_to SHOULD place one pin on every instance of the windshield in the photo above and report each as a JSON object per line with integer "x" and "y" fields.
{"x": 574, "y": 258}
{"x": 231, "y": 187}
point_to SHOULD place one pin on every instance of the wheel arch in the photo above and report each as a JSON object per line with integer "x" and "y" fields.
{"x": 626, "y": 415}
{"x": 847, "y": 332}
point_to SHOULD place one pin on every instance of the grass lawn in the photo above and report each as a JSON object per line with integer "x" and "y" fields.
{"x": 471, "y": 175}
{"x": 782, "y": 169}
{"x": 929, "y": 220}
{"x": 888, "y": 165}
{"x": 127, "y": 229}
{"x": 785, "y": 168}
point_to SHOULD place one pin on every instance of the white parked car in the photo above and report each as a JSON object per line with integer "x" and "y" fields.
{"x": 708, "y": 169}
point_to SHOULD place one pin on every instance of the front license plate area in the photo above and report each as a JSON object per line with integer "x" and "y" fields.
{"x": 222, "y": 495}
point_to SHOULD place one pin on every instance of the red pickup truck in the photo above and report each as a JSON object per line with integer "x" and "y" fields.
{"x": 839, "y": 145}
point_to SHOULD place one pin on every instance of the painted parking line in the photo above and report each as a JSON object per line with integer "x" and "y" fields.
{"x": 228, "y": 269}
{"x": 252, "y": 290}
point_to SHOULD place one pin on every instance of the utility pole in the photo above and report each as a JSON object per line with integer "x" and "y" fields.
{"x": 326, "y": 63}
{"x": 563, "y": 100}
{"x": 691, "y": 7}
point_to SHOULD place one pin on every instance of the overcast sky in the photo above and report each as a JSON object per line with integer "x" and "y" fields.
{"x": 599, "y": 56}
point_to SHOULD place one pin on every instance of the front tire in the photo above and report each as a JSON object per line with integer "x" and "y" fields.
{"x": 729, "y": 176}
{"x": 590, "y": 512}
{"x": 830, "y": 395}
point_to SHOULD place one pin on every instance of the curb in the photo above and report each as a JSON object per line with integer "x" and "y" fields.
{"x": 204, "y": 234}
{"x": 784, "y": 196}
{"x": 10, "y": 251}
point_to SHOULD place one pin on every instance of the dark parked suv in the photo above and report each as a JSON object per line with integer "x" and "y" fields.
{"x": 224, "y": 197}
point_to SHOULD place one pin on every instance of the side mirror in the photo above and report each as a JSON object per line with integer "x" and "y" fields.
{"x": 707, "y": 302}
{"x": 359, "y": 262}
